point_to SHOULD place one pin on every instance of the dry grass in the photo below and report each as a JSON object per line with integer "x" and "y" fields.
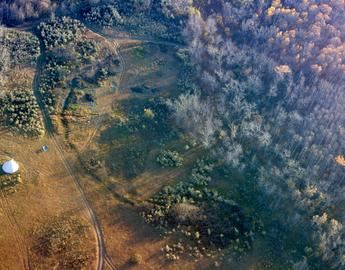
{"x": 47, "y": 190}
{"x": 112, "y": 197}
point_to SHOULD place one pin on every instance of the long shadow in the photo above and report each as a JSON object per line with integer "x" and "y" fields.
{"x": 129, "y": 218}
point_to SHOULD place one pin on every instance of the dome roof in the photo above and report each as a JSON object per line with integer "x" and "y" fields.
{"x": 10, "y": 166}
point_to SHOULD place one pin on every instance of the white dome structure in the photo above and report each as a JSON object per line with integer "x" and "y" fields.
{"x": 10, "y": 167}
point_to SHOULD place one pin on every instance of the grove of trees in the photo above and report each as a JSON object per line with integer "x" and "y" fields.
{"x": 20, "y": 111}
{"x": 14, "y": 12}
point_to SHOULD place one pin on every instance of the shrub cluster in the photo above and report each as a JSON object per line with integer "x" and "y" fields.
{"x": 101, "y": 75}
{"x": 202, "y": 214}
{"x": 137, "y": 17}
{"x": 21, "y": 112}
{"x": 23, "y": 47}
{"x": 142, "y": 25}
{"x": 135, "y": 259}
{"x": 77, "y": 260}
{"x": 56, "y": 68}
{"x": 168, "y": 158}
{"x": 86, "y": 48}
{"x": 9, "y": 182}
{"x": 105, "y": 15}
{"x": 59, "y": 31}
{"x": 174, "y": 9}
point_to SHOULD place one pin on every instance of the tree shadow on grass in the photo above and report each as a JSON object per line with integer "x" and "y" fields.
{"x": 129, "y": 217}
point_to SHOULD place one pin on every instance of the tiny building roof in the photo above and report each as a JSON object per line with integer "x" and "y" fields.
{"x": 10, "y": 166}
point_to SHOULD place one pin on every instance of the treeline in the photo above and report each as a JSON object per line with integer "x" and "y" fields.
{"x": 14, "y": 12}
{"x": 20, "y": 111}
{"x": 267, "y": 116}
{"x": 161, "y": 19}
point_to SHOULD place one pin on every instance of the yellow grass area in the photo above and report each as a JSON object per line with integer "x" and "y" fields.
{"x": 46, "y": 191}
{"x": 16, "y": 78}
{"x": 114, "y": 199}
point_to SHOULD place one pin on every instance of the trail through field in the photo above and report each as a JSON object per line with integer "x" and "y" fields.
{"x": 96, "y": 123}
{"x": 101, "y": 253}
{"x": 102, "y": 256}
{"x": 16, "y": 232}
{"x": 114, "y": 40}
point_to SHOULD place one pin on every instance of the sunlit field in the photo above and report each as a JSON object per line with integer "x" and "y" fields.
{"x": 172, "y": 134}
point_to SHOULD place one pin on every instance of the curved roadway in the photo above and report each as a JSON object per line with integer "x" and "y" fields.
{"x": 102, "y": 256}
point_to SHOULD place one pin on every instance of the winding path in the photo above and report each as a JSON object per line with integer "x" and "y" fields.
{"x": 102, "y": 256}
{"x": 17, "y": 233}
{"x": 101, "y": 253}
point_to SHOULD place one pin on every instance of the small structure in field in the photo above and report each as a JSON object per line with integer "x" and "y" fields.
{"x": 10, "y": 167}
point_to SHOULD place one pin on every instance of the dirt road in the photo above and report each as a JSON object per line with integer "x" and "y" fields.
{"x": 102, "y": 257}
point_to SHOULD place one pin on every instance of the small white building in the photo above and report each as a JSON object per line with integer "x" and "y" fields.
{"x": 10, "y": 166}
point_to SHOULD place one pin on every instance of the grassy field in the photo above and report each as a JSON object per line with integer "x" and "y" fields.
{"x": 120, "y": 168}
{"x": 46, "y": 191}
{"x": 111, "y": 146}
{"x": 110, "y": 133}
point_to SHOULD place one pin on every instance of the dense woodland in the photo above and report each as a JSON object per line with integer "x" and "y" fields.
{"x": 269, "y": 103}
{"x": 278, "y": 122}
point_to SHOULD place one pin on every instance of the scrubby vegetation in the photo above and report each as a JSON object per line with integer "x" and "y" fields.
{"x": 57, "y": 65}
{"x": 86, "y": 48}
{"x": 62, "y": 237}
{"x": 20, "y": 111}
{"x": 136, "y": 259}
{"x": 23, "y": 48}
{"x": 8, "y": 183}
{"x": 154, "y": 18}
{"x": 174, "y": 9}
{"x": 68, "y": 52}
{"x": 202, "y": 215}
{"x": 105, "y": 15}
{"x": 169, "y": 158}
{"x": 59, "y": 31}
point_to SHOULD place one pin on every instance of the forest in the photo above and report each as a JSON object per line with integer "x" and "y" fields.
{"x": 263, "y": 95}
{"x": 272, "y": 88}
